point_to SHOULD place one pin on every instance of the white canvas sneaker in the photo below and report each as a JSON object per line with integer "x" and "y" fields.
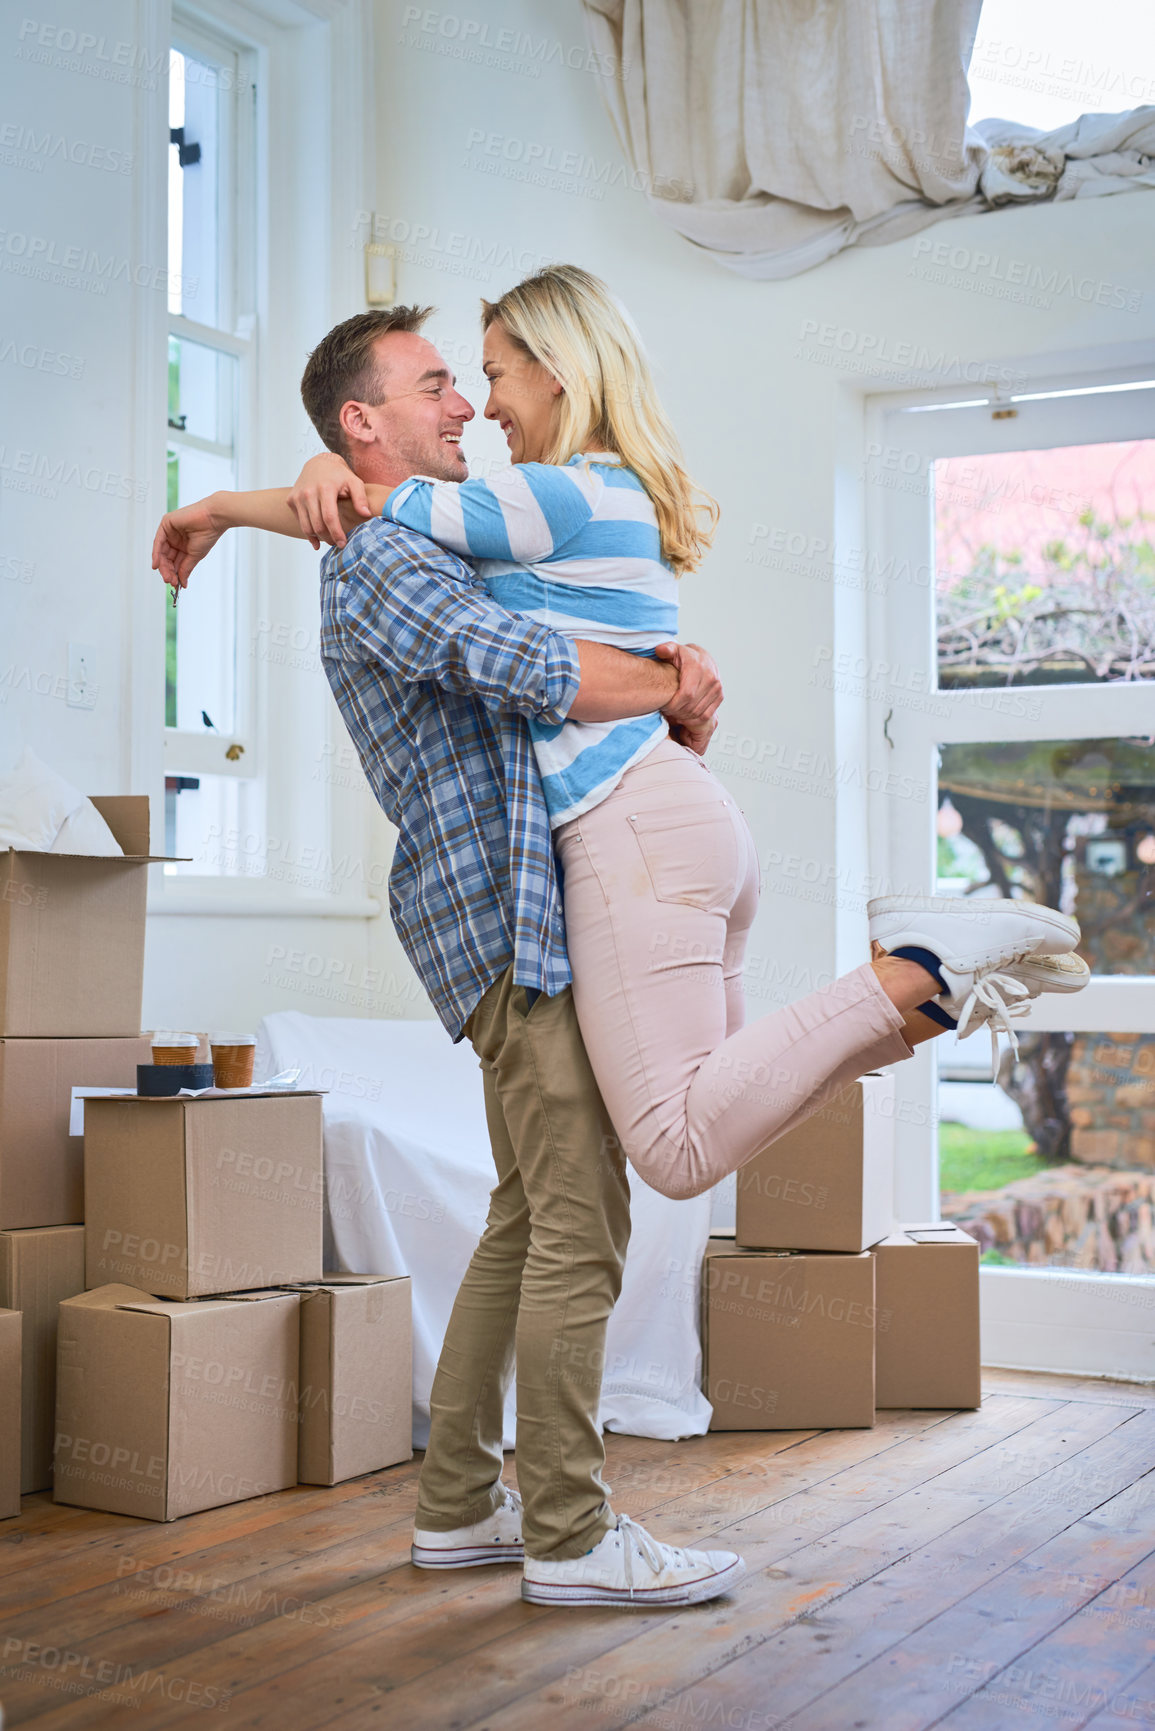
{"x": 630, "y": 1567}
{"x": 496, "y": 1540}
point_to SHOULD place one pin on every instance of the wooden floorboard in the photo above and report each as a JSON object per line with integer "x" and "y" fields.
{"x": 915, "y": 1626}
{"x": 971, "y": 1569}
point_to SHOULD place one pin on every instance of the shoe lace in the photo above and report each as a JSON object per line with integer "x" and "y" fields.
{"x": 990, "y": 991}
{"x": 657, "y": 1556}
{"x": 512, "y": 1499}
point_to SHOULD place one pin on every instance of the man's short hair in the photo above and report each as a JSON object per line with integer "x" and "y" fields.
{"x": 343, "y": 368}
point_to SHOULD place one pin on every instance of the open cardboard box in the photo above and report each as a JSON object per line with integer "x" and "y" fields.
{"x": 72, "y": 933}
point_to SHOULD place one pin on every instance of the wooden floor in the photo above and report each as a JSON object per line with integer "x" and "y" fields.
{"x": 981, "y": 1569}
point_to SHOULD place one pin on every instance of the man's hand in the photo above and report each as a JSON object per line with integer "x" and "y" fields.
{"x": 183, "y": 539}
{"x": 316, "y": 498}
{"x": 698, "y": 697}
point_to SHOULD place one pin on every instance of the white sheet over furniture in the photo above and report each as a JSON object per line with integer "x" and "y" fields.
{"x": 408, "y": 1173}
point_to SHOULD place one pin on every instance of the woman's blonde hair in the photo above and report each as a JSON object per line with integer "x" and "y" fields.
{"x": 568, "y": 320}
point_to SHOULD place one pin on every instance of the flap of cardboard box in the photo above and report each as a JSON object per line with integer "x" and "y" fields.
{"x": 127, "y": 817}
{"x": 111, "y": 1297}
{"x": 182, "y": 1306}
{"x": 934, "y": 1232}
{"x": 206, "y": 1096}
{"x": 338, "y": 1280}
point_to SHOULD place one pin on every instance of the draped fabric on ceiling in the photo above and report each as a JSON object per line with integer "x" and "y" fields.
{"x": 774, "y": 133}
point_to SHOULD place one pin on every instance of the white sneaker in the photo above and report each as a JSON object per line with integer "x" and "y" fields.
{"x": 1000, "y": 995}
{"x": 630, "y": 1567}
{"x": 977, "y": 941}
{"x": 496, "y": 1540}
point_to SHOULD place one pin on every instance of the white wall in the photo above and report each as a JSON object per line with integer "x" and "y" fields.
{"x": 775, "y": 436}
{"x": 83, "y": 292}
{"x": 474, "y": 136}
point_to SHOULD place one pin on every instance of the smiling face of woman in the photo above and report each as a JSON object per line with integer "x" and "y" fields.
{"x": 524, "y": 396}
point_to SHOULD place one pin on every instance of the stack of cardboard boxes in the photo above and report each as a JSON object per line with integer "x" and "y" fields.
{"x": 71, "y": 962}
{"x": 822, "y": 1308}
{"x": 180, "y": 1345}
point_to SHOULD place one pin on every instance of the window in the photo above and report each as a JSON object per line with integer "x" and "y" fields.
{"x": 1046, "y": 62}
{"x": 1017, "y": 631}
{"x": 212, "y": 789}
{"x": 270, "y": 149}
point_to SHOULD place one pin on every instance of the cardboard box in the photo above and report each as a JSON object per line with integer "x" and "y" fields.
{"x": 38, "y": 1269}
{"x": 787, "y": 1339}
{"x": 72, "y": 934}
{"x": 41, "y": 1165}
{"x": 829, "y": 1183}
{"x": 10, "y": 1355}
{"x": 189, "y": 1197}
{"x": 163, "y": 1409}
{"x": 356, "y": 1383}
{"x": 927, "y": 1294}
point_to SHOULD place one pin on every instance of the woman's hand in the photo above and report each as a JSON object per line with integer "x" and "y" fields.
{"x": 695, "y": 738}
{"x": 183, "y": 539}
{"x": 316, "y": 498}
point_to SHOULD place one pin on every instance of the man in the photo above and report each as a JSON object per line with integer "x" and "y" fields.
{"x": 435, "y": 683}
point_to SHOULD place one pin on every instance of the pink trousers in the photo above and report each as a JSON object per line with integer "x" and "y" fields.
{"x": 661, "y": 888}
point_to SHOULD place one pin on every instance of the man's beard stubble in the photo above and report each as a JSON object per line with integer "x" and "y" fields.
{"x": 432, "y": 457}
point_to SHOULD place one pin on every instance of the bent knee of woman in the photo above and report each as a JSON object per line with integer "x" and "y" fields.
{"x": 671, "y": 1169}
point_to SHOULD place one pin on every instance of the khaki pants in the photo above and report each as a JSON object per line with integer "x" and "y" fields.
{"x": 542, "y": 1282}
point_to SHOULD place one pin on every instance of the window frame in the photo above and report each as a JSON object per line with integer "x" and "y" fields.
{"x": 186, "y": 751}
{"x": 1057, "y": 1319}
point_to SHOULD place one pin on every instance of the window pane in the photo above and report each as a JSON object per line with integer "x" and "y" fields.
{"x": 196, "y": 221}
{"x": 1070, "y": 823}
{"x": 1054, "y": 1165}
{"x": 1045, "y": 566}
{"x": 1047, "y": 63}
{"x": 201, "y": 677}
{"x": 214, "y": 825}
{"x": 202, "y": 391}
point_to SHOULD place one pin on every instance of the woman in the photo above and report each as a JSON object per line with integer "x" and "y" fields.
{"x": 587, "y": 532}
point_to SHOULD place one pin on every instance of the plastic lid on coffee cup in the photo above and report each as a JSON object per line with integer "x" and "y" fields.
{"x": 232, "y": 1039}
{"x": 167, "y": 1038}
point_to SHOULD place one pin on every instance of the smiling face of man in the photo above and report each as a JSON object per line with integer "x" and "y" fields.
{"x": 416, "y": 426}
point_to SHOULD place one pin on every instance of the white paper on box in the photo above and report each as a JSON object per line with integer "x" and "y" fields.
{"x": 79, "y": 1096}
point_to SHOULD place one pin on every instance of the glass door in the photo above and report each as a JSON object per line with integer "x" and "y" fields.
{"x": 1018, "y": 630}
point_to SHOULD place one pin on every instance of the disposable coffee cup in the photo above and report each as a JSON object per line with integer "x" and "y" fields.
{"x": 170, "y": 1048}
{"x": 233, "y": 1060}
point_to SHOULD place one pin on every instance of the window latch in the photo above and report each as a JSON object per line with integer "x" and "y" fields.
{"x": 186, "y": 154}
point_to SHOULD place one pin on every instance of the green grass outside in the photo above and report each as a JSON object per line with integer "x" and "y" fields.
{"x": 984, "y": 1159}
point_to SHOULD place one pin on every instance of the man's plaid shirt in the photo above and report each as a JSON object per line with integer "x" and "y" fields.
{"x": 434, "y": 682}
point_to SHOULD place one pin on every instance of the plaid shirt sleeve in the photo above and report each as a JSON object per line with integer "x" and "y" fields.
{"x": 408, "y": 608}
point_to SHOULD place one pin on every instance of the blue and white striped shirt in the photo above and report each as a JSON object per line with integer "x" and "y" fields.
{"x": 434, "y": 682}
{"x": 575, "y": 547}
